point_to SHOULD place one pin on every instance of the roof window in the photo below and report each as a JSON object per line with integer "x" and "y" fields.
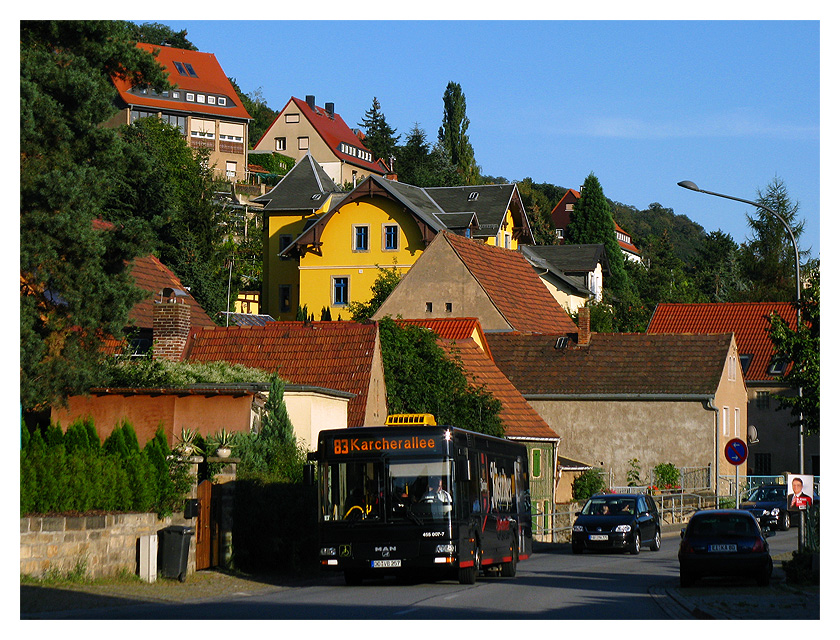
{"x": 185, "y": 69}
{"x": 473, "y": 196}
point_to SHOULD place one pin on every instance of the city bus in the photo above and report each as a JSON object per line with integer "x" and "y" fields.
{"x": 412, "y": 497}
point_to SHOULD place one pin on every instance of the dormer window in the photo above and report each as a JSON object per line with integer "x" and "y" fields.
{"x": 777, "y": 366}
{"x": 473, "y": 196}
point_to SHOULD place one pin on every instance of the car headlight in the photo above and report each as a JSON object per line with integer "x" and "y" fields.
{"x": 765, "y": 513}
{"x": 577, "y": 527}
{"x": 329, "y": 551}
{"x": 775, "y": 511}
{"x": 623, "y": 528}
{"x": 445, "y": 548}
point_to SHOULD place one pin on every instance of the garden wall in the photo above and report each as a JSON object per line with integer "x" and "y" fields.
{"x": 97, "y": 546}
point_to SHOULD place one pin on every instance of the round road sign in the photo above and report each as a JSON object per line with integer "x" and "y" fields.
{"x": 736, "y": 451}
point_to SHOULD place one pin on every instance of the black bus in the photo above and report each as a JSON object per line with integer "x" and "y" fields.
{"x": 414, "y": 496}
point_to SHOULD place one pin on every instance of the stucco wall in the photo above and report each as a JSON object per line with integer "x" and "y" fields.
{"x": 441, "y": 278}
{"x": 311, "y": 413}
{"x": 607, "y": 434}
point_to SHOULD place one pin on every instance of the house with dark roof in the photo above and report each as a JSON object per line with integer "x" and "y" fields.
{"x": 202, "y": 104}
{"x": 303, "y": 128}
{"x": 612, "y": 398}
{"x": 561, "y": 214}
{"x": 573, "y": 273}
{"x": 336, "y": 258}
{"x": 460, "y": 277}
{"x": 777, "y": 448}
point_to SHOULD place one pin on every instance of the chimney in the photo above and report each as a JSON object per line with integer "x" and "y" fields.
{"x": 330, "y": 107}
{"x": 170, "y": 330}
{"x": 310, "y": 100}
{"x": 584, "y": 333}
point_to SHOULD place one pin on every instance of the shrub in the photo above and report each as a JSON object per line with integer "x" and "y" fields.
{"x": 666, "y": 476}
{"x": 588, "y": 483}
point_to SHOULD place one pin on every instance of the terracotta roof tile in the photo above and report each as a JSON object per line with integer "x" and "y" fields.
{"x": 151, "y": 274}
{"x": 513, "y": 287}
{"x": 613, "y": 363}
{"x": 747, "y": 320}
{"x": 334, "y": 355}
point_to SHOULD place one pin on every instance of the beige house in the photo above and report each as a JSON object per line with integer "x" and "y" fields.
{"x": 202, "y": 103}
{"x": 303, "y": 128}
{"x": 613, "y": 398}
{"x": 573, "y": 273}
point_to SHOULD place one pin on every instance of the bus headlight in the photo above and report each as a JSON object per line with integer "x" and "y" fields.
{"x": 445, "y": 548}
{"x": 330, "y": 552}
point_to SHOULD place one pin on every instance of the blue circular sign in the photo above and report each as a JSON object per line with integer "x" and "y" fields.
{"x": 736, "y": 451}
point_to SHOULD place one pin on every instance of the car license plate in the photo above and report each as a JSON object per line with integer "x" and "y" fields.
{"x": 723, "y": 548}
{"x": 385, "y": 564}
{"x": 598, "y": 537}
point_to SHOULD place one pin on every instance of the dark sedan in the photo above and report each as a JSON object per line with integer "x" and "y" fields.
{"x": 768, "y": 503}
{"x": 724, "y": 542}
{"x": 617, "y": 521}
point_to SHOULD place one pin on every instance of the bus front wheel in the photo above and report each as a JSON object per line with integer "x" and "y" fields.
{"x": 468, "y": 575}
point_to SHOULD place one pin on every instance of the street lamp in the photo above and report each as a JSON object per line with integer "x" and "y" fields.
{"x": 688, "y": 184}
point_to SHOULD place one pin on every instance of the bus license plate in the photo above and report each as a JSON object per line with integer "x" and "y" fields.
{"x": 723, "y": 548}
{"x": 599, "y": 537}
{"x": 385, "y": 564}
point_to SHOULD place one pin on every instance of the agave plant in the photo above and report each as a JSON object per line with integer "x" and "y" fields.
{"x": 187, "y": 443}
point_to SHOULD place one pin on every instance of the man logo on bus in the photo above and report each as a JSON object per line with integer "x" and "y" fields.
{"x": 502, "y": 488}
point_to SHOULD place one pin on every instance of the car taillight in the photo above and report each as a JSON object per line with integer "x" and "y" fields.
{"x": 759, "y": 546}
{"x": 686, "y": 547}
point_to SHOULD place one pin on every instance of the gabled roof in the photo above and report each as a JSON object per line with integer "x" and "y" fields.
{"x": 490, "y": 202}
{"x": 305, "y": 187}
{"x": 334, "y": 355}
{"x": 626, "y": 246}
{"x": 512, "y": 286}
{"x": 613, "y": 364}
{"x": 209, "y": 80}
{"x": 747, "y": 320}
{"x": 151, "y": 274}
{"x": 335, "y": 133}
{"x": 456, "y": 338}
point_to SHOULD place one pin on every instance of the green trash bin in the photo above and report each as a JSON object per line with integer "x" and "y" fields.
{"x": 174, "y": 551}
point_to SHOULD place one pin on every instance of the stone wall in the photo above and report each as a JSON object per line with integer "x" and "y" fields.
{"x": 102, "y": 545}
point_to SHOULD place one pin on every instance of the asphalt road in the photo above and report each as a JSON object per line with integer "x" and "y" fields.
{"x": 552, "y": 584}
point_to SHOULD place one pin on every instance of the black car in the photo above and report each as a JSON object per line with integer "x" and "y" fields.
{"x": 768, "y": 503}
{"x": 724, "y": 542}
{"x": 617, "y": 521}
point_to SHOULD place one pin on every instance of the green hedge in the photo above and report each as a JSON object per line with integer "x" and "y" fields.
{"x": 74, "y": 472}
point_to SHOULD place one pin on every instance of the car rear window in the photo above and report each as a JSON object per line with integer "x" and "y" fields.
{"x": 722, "y": 525}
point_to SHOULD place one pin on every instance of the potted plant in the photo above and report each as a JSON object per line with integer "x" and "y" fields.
{"x": 187, "y": 446}
{"x": 223, "y": 440}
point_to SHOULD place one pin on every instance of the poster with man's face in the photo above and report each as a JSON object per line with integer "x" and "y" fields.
{"x": 800, "y": 491}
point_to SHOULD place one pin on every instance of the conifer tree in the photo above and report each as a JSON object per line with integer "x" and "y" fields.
{"x": 379, "y": 135}
{"x": 452, "y": 134}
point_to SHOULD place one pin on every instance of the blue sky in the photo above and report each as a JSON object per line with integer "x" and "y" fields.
{"x": 642, "y": 104}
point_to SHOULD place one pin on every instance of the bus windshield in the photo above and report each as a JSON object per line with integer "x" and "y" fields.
{"x": 416, "y": 491}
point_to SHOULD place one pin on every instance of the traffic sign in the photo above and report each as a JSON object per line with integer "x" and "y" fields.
{"x": 736, "y": 451}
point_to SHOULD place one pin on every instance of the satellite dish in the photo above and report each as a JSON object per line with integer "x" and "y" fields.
{"x": 752, "y": 434}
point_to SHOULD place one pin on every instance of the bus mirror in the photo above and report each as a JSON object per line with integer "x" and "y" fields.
{"x": 309, "y": 475}
{"x": 464, "y": 469}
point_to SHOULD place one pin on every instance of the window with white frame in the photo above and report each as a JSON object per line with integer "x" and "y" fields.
{"x": 737, "y": 424}
{"x": 724, "y": 418}
{"x": 279, "y": 144}
{"x": 292, "y": 118}
{"x": 230, "y": 169}
{"x": 390, "y": 237}
{"x": 205, "y": 129}
{"x": 303, "y": 143}
{"x": 340, "y": 290}
{"x": 361, "y": 237}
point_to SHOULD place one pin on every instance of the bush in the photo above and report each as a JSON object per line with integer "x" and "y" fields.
{"x": 800, "y": 568}
{"x": 588, "y": 483}
{"x": 666, "y": 476}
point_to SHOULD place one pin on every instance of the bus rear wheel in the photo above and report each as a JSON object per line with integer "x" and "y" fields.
{"x": 509, "y": 568}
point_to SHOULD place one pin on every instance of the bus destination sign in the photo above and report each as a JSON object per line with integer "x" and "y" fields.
{"x": 384, "y": 444}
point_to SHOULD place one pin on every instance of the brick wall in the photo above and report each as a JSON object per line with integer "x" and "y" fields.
{"x": 171, "y": 327}
{"x": 105, "y": 544}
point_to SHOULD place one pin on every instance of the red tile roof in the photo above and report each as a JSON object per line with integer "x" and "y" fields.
{"x": 519, "y": 418}
{"x": 151, "y": 274}
{"x": 512, "y": 286}
{"x": 747, "y": 320}
{"x": 334, "y": 355}
{"x": 334, "y": 131}
{"x": 613, "y": 363}
{"x": 211, "y": 79}
{"x": 455, "y": 336}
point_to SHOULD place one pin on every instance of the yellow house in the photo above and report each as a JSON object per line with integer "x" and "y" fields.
{"x": 381, "y": 223}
